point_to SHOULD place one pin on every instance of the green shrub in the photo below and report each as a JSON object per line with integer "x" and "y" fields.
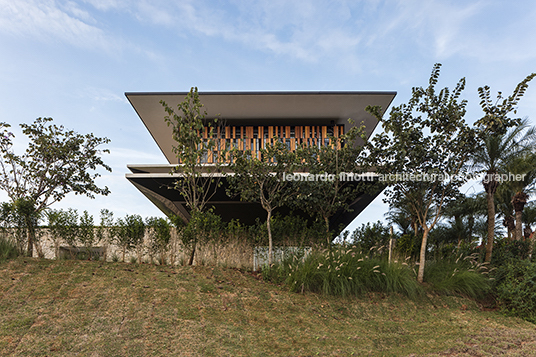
{"x": 465, "y": 276}
{"x": 8, "y": 249}
{"x": 408, "y": 245}
{"x": 369, "y": 236}
{"x": 344, "y": 272}
{"x": 505, "y": 251}
{"x": 516, "y": 289}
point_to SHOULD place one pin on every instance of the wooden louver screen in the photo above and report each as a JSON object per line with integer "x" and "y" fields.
{"x": 255, "y": 138}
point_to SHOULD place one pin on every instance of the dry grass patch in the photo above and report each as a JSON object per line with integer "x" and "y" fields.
{"x": 60, "y": 308}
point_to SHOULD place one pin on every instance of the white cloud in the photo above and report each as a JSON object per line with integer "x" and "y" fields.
{"x": 103, "y": 94}
{"x": 52, "y": 21}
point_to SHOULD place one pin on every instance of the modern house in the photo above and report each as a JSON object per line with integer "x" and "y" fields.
{"x": 252, "y": 121}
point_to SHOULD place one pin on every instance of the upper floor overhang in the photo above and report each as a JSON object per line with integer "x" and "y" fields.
{"x": 262, "y": 109}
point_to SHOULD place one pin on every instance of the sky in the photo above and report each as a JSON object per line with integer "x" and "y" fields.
{"x": 74, "y": 60}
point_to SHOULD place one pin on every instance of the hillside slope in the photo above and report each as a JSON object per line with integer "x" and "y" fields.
{"x": 64, "y": 308}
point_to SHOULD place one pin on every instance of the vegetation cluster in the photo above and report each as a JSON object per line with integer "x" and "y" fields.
{"x": 440, "y": 240}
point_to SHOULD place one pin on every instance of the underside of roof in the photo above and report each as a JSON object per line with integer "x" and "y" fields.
{"x": 262, "y": 109}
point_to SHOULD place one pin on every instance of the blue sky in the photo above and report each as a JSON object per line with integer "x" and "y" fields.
{"x": 73, "y": 61}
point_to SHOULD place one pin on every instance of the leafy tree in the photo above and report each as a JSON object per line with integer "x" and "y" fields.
{"x": 492, "y": 155}
{"x": 193, "y": 147}
{"x": 496, "y": 120}
{"x": 429, "y": 139}
{"x": 122, "y": 237}
{"x": 492, "y": 128}
{"x": 129, "y": 234}
{"x": 323, "y": 198}
{"x": 86, "y": 232}
{"x": 105, "y": 231}
{"x": 159, "y": 232}
{"x": 64, "y": 227}
{"x": 56, "y": 162}
{"x": 196, "y": 142}
{"x": 20, "y": 218}
{"x": 262, "y": 180}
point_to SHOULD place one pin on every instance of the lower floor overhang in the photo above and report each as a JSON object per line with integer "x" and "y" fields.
{"x": 157, "y": 183}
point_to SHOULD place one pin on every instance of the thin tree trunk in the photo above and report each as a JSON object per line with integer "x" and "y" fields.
{"x": 519, "y": 225}
{"x": 491, "y": 226}
{"x": 531, "y": 238}
{"x": 518, "y": 201}
{"x": 30, "y": 244}
{"x": 269, "y": 227}
{"x": 191, "y": 260}
{"x": 326, "y": 221}
{"x": 510, "y": 224}
{"x": 422, "y": 257}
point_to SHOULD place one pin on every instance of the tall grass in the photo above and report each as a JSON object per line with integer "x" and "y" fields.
{"x": 8, "y": 249}
{"x": 459, "y": 275}
{"x": 344, "y": 271}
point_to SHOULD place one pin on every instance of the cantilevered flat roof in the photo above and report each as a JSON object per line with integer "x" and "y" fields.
{"x": 261, "y": 108}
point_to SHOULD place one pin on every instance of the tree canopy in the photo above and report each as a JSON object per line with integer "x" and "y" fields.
{"x": 422, "y": 152}
{"x": 56, "y": 162}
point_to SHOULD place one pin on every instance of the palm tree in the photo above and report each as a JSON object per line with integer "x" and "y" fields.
{"x": 400, "y": 215}
{"x": 503, "y": 202}
{"x": 525, "y": 167}
{"x": 463, "y": 213}
{"x": 529, "y": 217}
{"x": 492, "y": 156}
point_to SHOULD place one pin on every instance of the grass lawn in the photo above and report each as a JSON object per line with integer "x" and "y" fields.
{"x": 67, "y": 308}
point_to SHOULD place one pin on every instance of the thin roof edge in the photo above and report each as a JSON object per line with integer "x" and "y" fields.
{"x": 268, "y": 93}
